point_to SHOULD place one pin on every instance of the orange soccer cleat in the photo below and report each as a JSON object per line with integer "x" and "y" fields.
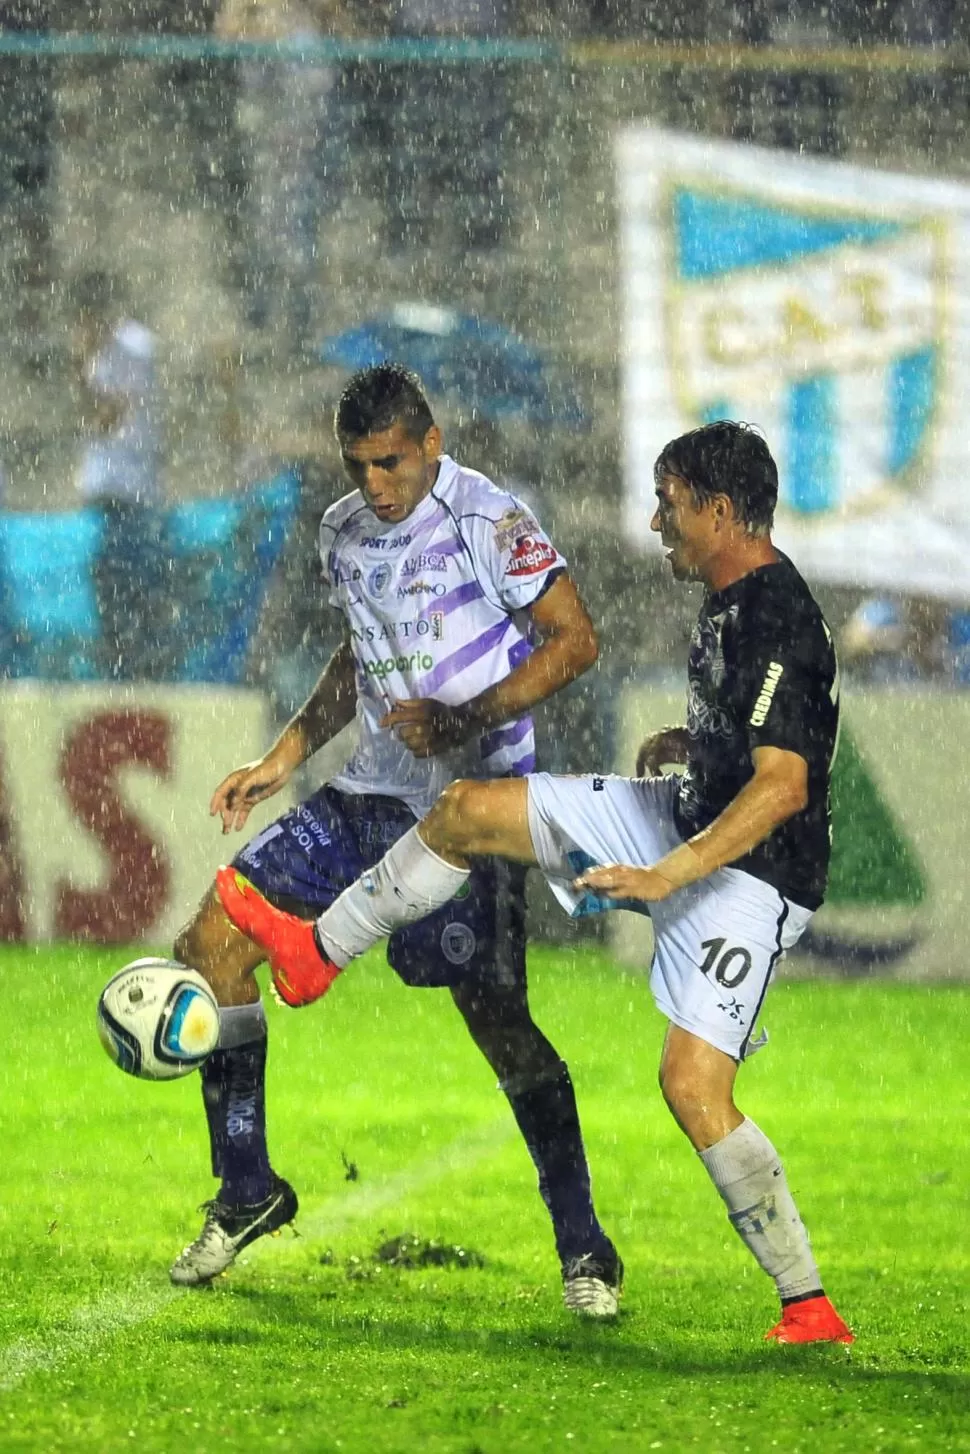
{"x": 300, "y": 969}
{"x": 812, "y": 1321}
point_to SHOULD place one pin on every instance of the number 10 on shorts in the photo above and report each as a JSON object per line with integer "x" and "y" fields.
{"x": 729, "y": 967}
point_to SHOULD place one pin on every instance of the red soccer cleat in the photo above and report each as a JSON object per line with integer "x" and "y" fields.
{"x": 812, "y": 1321}
{"x": 301, "y": 972}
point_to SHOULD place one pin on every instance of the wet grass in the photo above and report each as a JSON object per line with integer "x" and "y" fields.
{"x": 419, "y": 1308}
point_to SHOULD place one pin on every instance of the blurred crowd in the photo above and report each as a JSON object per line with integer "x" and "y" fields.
{"x": 276, "y": 147}
{"x": 919, "y": 22}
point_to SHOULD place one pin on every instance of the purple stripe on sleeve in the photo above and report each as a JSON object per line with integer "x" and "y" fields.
{"x": 524, "y": 766}
{"x": 463, "y": 658}
{"x": 506, "y": 736}
{"x": 470, "y": 591}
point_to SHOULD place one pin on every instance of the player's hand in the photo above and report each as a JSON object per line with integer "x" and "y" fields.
{"x": 237, "y": 795}
{"x": 620, "y": 881}
{"x": 427, "y": 727}
{"x": 660, "y": 748}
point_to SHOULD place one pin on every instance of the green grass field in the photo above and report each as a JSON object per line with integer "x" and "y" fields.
{"x": 311, "y": 1344}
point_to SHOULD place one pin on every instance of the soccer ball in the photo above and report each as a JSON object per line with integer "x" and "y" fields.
{"x": 157, "y": 1019}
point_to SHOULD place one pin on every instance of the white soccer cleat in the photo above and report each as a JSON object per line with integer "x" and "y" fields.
{"x": 227, "y": 1230}
{"x": 591, "y": 1286}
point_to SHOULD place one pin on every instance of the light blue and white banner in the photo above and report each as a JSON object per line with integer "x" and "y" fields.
{"x": 830, "y": 305}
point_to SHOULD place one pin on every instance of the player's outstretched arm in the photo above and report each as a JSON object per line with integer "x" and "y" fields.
{"x": 328, "y": 709}
{"x": 657, "y": 751}
{"x": 568, "y": 646}
{"x": 776, "y": 791}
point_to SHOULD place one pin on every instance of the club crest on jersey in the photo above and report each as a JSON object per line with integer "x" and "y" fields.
{"x": 529, "y": 556}
{"x": 378, "y": 580}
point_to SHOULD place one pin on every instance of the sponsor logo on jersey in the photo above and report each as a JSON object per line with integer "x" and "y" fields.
{"x": 529, "y": 556}
{"x": 422, "y": 588}
{"x": 346, "y": 575}
{"x": 417, "y": 661}
{"x": 431, "y": 561}
{"x": 458, "y": 943}
{"x": 391, "y": 630}
{"x": 768, "y": 688}
{"x": 379, "y": 580}
{"x": 511, "y": 526}
{"x": 385, "y": 542}
{"x": 308, "y": 830}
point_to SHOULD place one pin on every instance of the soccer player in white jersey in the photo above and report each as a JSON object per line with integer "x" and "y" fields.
{"x": 444, "y": 582}
{"x": 728, "y": 859}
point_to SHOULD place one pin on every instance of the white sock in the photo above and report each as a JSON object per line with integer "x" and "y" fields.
{"x": 744, "y": 1167}
{"x": 409, "y": 882}
{"x": 241, "y": 1024}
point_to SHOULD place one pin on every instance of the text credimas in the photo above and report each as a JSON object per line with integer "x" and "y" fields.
{"x": 768, "y": 688}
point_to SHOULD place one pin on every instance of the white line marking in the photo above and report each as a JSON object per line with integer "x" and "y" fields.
{"x": 92, "y": 1324}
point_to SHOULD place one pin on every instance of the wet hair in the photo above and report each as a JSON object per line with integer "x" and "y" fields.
{"x": 377, "y": 398}
{"x": 725, "y": 458}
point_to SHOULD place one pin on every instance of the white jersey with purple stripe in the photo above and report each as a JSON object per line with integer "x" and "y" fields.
{"x": 437, "y": 607}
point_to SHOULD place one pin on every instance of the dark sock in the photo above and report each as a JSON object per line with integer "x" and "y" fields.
{"x": 213, "y": 1074}
{"x": 233, "y": 1094}
{"x": 549, "y": 1121}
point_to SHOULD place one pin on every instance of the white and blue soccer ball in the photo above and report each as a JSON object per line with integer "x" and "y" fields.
{"x": 158, "y": 1019}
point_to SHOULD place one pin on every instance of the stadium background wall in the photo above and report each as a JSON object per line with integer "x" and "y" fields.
{"x": 105, "y": 833}
{"x": 104, "y": 826}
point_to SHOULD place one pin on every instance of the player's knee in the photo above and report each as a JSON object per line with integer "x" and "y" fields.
{"x": 187, "y": 948}
{"x": 210, "y": 945}
{"x": 679, "y": 1087}
{"x": 455, "y": 820}
{"x": 494, "y": 1013}
{"x": 701, "y": 1106}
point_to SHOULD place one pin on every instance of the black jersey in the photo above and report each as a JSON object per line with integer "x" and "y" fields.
{"x": 762, "y": 672}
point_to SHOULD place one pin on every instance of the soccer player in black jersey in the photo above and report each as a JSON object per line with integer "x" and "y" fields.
{"x": 729, "y": 859}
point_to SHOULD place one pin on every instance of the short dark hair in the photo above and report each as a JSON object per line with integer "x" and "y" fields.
{"x": 375, "y": 399}
{"x": 725, "y": 458}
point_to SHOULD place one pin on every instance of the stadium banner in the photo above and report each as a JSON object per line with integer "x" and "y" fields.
{"x": 105, "y": 831}
{"x": 897, "y": 899}
{"x": 828, "y": 304}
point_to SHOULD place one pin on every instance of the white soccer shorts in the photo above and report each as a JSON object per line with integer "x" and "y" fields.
{"x": 717, "y": 941}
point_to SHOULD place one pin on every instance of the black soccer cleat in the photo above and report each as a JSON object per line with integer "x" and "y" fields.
{"x": 227, "y": 1230}
{"x": 592, "y": 1284}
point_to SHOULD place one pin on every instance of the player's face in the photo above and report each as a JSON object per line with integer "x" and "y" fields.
{"x": 392, "y": 471}
{"x": 686, "y": 528}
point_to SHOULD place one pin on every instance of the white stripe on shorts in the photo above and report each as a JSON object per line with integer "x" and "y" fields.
{"x": 716, "y": 942}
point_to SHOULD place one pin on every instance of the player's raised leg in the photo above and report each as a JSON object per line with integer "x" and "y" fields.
{"x": 697, "y": 1081}
{"x": 420, "y": 873}
{"x": 252, "y": 1200}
